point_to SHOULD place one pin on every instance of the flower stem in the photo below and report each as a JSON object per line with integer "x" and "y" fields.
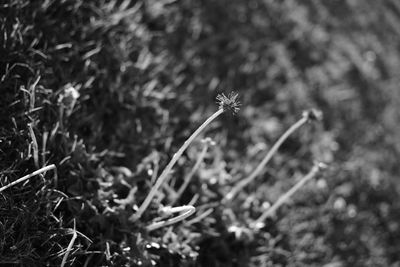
{"x": 190, "y": 175}
{"x": 243, "y": 183}
{"x": 170, "y": 165}
{"x": 285, "y": 197}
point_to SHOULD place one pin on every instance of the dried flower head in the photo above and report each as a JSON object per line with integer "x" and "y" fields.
{"x": 229, "y": 102}
{"x": 313, "y": 115}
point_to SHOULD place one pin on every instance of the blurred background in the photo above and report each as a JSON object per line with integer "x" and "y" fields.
{"x": 146, "y": 74}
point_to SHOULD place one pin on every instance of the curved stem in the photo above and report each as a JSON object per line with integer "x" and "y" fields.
{"x": 187, "y": 211}
{"x": 285, "y": 197}
{"x": 243, "y": 183}
{"x": 168, "y": 168}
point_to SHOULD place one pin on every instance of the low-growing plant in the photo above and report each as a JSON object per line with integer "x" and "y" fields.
{"x": 225, "y": 103}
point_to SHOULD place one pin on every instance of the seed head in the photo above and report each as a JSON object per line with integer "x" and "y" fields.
{"x": 313, "y": 115}
{"x": 229, "y": 102}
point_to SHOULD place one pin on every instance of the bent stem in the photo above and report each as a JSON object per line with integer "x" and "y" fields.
{"x": 285, "y": 197}
{"x": 171, "y": 164}
{"x": 26, "y": 177}
{"x": 306, "y": 116}
{"x": 186, "y": 210}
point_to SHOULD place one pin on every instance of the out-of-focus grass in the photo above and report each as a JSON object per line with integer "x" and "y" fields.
{"x": 147, "y": 72}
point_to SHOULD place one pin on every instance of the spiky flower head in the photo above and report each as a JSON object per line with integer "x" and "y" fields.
{"x": 229, "y": 102}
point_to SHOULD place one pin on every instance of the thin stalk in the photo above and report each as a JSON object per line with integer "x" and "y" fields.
{"x": 243, "y": 183}
{"x": 171, "y": 164}
{"x": 190, "y": 175}
{"x": 285, "y": 197}
{"x": 200, "y": 217}
{"x": 69, "y": 248}
{"x": 26, "y": 177}
{"x": 194, "y": 199}
{"x": 35, "y": 146}
{"x": 170, "y": 191}
{"x": 186, "y": 212}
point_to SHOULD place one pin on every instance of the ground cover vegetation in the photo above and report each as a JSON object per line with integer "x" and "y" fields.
{"x": 97, "y": 96}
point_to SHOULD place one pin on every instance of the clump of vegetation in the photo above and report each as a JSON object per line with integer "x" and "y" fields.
{"x": 225, "y": 103}
{"x": 97, "y": 95}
